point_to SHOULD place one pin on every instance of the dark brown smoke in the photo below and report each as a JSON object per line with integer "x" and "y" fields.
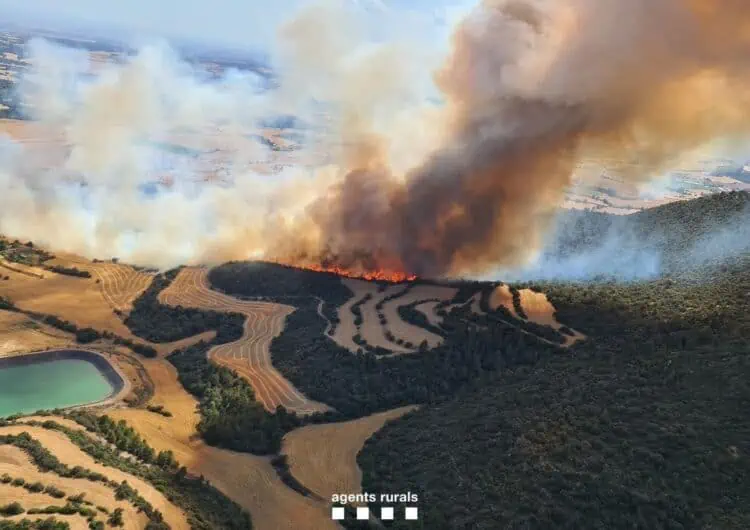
{"x": 534, "y": 88}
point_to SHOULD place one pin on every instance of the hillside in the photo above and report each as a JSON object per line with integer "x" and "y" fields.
{"x": 675, "y": 238}
{"x": 644, "y": 425}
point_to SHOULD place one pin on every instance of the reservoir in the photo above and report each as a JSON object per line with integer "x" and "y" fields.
{"x": 55, "y": 379}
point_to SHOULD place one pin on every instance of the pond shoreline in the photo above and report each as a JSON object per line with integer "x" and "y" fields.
{"x": 116, "y": 379}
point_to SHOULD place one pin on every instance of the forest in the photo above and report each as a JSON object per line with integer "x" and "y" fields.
{"x": 643, "y": 425}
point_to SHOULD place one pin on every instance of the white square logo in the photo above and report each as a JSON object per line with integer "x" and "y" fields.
{"x": 411, "y": 514}
{"x": 363, "y": 513}
{"x": 386, "y": 513}
{"x": 337, "y": 513}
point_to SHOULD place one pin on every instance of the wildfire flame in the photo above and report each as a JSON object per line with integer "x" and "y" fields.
{"x": 375, "y": 275}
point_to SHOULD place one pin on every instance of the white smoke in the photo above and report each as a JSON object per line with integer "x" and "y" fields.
{"x": 152, "y": 162}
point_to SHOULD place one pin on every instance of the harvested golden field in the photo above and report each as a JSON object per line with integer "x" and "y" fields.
{"x": 17, "y": 464}
{"x": 83, "y": 301}
{"x": 371, "y": 330}
{"x": 324, "y": 457}
{"x": 540, "y": 310}
{"x": 70, "y": 455}
{"x": 120, "y": 284}
{"x": 78, "y": 300}
{"x": 502, "y": 297}
{"x": 408, "y": 332}
{"x": 20, "y": 334}
{"x": 381, "y": 324}
{"x": 346, "y": 329}
{"x": 395, "y": 335}
{"x": 249, "y": 356}
{"x": 248, "y": 480}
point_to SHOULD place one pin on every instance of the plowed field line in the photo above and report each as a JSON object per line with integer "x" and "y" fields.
{"x": 250, "y": 355}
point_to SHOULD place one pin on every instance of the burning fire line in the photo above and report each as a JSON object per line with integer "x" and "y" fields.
{"x": 377, "y": 275}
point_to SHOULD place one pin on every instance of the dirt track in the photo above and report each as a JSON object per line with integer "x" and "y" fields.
{"x": 249, "y": 356}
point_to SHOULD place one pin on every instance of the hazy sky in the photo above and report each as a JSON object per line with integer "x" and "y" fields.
{"x": 239, "y": 23}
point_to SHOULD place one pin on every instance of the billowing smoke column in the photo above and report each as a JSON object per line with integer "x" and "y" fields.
{"x": 530, "y": 89}
{"x": 534, "y": 87}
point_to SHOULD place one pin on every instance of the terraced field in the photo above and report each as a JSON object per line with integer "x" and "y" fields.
{"x": 18, "y": 334}
{"x": 17, "y": 464}
{"x": 250, "y": 355}
{"x": 249, "y": 480}
{"x": 370, "y": 318}
{"x": 120, "y": 284}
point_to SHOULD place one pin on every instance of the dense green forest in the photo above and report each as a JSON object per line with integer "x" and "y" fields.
{"x": 644, "y": 425}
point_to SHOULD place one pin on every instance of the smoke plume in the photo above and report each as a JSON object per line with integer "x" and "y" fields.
{"x": 529, "y": 89}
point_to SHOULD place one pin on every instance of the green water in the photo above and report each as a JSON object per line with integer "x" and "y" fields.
{"x": 50, "y": 384}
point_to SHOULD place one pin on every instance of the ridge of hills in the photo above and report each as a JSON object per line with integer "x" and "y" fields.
{"x": 642, "y": 424}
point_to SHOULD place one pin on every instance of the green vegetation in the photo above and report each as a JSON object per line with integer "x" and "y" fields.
{"x": 83, "y": 335}
{"x": 162, "y": 323}
{"x": 644, "y": 425}
{"x": 115, "y": 518}
{"x": 69, "y": 271}
{"x": 357, "y": 385}
{"x": 27, "y": 524}
{"x": 205, "y": 507}
{"x": 159, "y": 409}
{"x": 46, "y": 461}
{"x": 14, "y": 508}
{"x": 281, "y": 465}
{"x": 24, "y": 253}
{"x": 230, "y": 415}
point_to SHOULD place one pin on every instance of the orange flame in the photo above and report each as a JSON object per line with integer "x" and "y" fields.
{"x": 376, "y": 275}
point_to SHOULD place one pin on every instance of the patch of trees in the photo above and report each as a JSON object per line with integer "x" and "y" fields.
{"x": 205, "y": 507}
{"x": 517, "y": 305}
{"x": 32, "y": 487}
{"x": 11, "y": 509}
{"x": 357, "y": 385}
{"x": 356, "y": 309}
{"x": 280, "y": 283}
{"x": 69, "y": 508}
{"x": 617, "y": 437}
{"x": 28, "y": 524}
{"x": 411, "y": 315}
{"x": 157, "y": 322}
{"x": 281, "y": 465}
{"x": 642, "y": 426}
{"x": 83, "y": 335}
{"x": 159, "y": 409}
{"x": 69, "y": 271}
{"x": 230, "y": 415}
